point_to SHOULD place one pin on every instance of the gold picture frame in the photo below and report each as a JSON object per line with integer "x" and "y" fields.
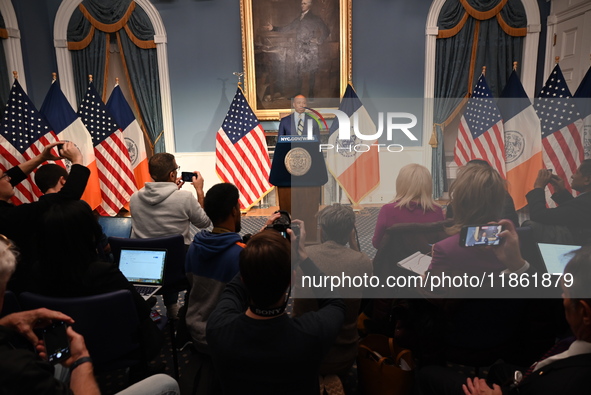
{"x": 284, "y": 54}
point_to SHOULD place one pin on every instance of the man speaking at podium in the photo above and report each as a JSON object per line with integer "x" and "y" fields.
{"x": 296, "y": 123}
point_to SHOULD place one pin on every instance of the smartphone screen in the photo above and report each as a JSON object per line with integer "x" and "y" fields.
{"x": 480, "y": 235}
{"x": 187, "y": 176}
{"x": 56, "y": 342}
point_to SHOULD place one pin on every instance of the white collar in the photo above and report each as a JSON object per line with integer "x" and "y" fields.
{"x": 577, "y": 347}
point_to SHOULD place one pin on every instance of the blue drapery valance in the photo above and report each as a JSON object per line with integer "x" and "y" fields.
{"x": 89, "y": 33}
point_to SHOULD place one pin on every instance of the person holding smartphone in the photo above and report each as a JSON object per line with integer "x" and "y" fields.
{"x": 24, "y": 372}
{"x": 160, "y": 209}
{"x": 477, "y": 199}
{"x": 572, "y": 213}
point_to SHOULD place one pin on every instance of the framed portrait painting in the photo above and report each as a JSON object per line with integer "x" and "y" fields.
{"x": 292, "y": 47}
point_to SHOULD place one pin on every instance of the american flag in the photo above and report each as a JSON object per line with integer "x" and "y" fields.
{"x": 23, "y": 135}
{"x": 583, "y": 101}
{"x": 480, "y": 135}
{"x": 112, "y": 159}
{"x": 562, "y": 145}
{"x": 241, "y": 153}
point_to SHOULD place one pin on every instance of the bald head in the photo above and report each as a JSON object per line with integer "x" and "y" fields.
{"x": 300, "y": 103}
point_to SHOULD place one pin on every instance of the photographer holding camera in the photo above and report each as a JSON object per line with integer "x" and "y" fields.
{"x": 255, "y": 346}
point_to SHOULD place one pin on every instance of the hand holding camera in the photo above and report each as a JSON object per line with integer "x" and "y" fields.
{"x": 69, "y": 151}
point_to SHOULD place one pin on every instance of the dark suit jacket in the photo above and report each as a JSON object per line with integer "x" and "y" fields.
{"x": 566, "y": 376}
{"x": 574, "y": 213}
{"x": 287, "y": 126}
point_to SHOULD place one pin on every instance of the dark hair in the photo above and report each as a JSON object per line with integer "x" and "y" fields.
{"x": 47, "y": 176}
{"x": 219, "y": 201}
{"x": 580, "y": 267}
{"x": 337, "y": 222}
{"x": 265, "y": 266}
{"x": 160, "y": 165}
{"x": 478, "y": 162}
{"x": 585, "y": 168}
{"x": 67, "y": 236}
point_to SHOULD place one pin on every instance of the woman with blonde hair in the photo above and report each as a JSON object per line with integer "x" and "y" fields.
{"x": 413, "y": 202}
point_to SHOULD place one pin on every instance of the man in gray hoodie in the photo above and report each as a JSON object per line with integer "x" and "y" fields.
{"x": 160, "y": 208}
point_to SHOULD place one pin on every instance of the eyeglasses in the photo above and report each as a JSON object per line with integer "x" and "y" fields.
{"x": 176, "y": 169}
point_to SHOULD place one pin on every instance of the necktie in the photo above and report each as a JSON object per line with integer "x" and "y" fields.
{"x": 300, "y": 127}
{"x": 557, "y": 348}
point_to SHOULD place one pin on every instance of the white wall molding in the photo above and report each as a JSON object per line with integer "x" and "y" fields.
{"x": 12, "y": 45}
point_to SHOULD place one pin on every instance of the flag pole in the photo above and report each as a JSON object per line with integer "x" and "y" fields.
{"x": 240, "y": 78}
{"x": 89, "y": 77}
{"x": 15, "y": 75}
{"x": 116, "y": 81}
{"x": 557, "y": 59}
{"x": 514, "y": 66}
{"x": 53, "y": 77}
{"x": 484, "y": 71}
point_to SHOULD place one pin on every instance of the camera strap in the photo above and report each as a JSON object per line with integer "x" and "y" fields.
{"x": 271, "y": 312}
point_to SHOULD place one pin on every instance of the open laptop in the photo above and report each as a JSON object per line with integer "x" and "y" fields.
{"x": 556, "y": 256}
{"x": 143, "y": 268}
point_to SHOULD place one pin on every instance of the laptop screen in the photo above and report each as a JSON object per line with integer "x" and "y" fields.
{"x": 142, "y": 266}
{"x": 556, "y": 256}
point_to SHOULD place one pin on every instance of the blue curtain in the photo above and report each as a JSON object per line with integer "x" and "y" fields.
{"x": 142, "y": 64}
{"x": 499, "y": 26}
{"x": 89, "y": 32}
{"x": 5, "y": 83}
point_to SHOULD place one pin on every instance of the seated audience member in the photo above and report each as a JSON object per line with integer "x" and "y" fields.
{"x": 212, "y": 259}
{"x": 211, "y": 263}
{"x": 69, "y": 267}
{"x": 160, "y": 208}
{"x": 337, "y": 227}
{"x": 50, "y": 178}
{"x": 508, "y": 207}
{"x": 255, "y": 346}
{"x": 413, "y": 203}
{"x": 564, "y": 369}
{"x": 24, "y": 372}
{"x": 477, "y": 196}
{"x": 573, "y": 213}
{"x": 16, "y": 222}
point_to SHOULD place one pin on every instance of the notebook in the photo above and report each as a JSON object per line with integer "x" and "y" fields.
{"x": 143, "y": 268}
{"x": 556, "y": 256}
{"x": 417, "y": 262}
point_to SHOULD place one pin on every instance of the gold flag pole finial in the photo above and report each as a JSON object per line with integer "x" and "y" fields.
{"x": 15, "y": 74}
{"x": 515, "y": 66}
{"x": 53, "y": 76}
{"x": 116, "y": 81}
{"x": 557, "y": 59}
{"x": 240, "y": 78}
{"x": 484, "y": 71}
{"x": 90, "y": 77}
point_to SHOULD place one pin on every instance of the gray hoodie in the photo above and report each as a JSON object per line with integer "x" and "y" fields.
{"x": 160, "y": 209}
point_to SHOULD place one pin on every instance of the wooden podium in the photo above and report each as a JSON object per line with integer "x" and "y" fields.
{"x": 299, "y": 181}
{"x": 302, "y": 203}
